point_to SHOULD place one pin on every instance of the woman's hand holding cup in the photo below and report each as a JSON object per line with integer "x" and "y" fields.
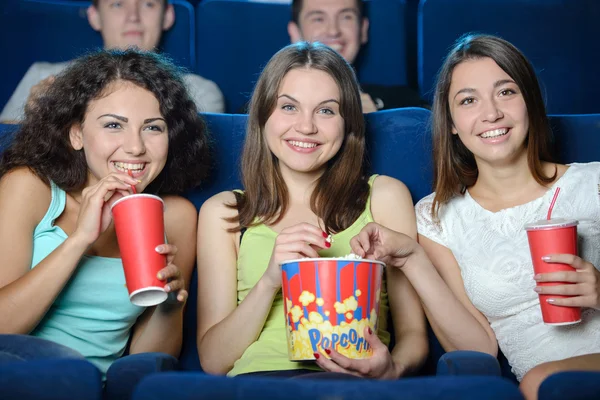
{"x": 171, "y": 274}
{"x": 583, "y": 284}
{"x": 94, "y": 212}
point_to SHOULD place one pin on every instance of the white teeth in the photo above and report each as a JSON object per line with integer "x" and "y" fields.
{"x": 302, "y": 144}
{"x": 128, "y": 166}
{"x": 494, "y": 133}
{"x": 336, "y": 47}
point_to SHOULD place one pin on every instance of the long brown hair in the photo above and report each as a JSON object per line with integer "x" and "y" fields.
{"x": 455, "y": 168}
{"x": 341, "y": 193}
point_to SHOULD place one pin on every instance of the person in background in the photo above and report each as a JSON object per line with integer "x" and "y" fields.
{"x": 341, "y": 25}
{"x": 122, "y": 24}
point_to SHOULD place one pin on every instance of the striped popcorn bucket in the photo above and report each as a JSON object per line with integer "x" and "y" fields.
{"x": 328, "y": 303}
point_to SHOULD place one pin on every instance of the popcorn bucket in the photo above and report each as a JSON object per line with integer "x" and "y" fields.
{"x": 328, "y": 303}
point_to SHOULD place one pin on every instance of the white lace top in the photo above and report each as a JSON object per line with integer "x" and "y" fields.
{"x": 492, "y": 251}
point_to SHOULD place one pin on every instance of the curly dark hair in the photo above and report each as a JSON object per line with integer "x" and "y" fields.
{"x": 42, "y": 143}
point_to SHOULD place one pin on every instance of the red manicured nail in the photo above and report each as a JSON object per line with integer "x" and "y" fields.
{"x": 325, "y": 235}
{"x": 317, "y": 355}
{"x": 370, "y": 331}
{"x": 327, "y": 351}
{"x": 327, "y": 244}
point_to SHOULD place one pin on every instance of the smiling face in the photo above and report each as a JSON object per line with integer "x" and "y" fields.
{"x": 123, "y": 131}
{"x": 305, "y": 130}
{"x": 128, "y": 23}
{"x": 488, "y": 111}
{"x": 335, "y": 23}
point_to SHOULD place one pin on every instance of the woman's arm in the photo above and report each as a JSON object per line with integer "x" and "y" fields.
{"x": 26, "y": 294}
{"x": 457, "y": 324}
{"x": 225, "y": 330}
{"x": 455, "y": 320}
{"x": 160, "y": 328}
{"x": 410, "y": 330}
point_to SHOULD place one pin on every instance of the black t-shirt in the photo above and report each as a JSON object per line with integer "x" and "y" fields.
{"x": 388, "y": 97}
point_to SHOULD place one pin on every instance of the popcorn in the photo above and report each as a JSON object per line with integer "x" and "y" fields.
{"x": 350, "y": 256}
{"x": 296, "y": 312}
{"x": 315, "y": 318}
{"x": 316, "y": 333}
{"x": 306, "y": 298}
{"x": 340, "y": 308}
{"x": 329, "y": 239}
{"x": 351, "y": 303}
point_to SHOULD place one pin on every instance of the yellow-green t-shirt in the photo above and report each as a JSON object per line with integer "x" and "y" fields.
{"x": 269, "y": 352}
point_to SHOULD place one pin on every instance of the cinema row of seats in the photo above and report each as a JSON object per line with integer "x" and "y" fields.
{"x": 399, "y": 145}
{"x": 228, "y": 41}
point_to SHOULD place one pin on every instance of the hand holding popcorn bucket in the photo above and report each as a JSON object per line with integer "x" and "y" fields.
{"x": 328, "y": 303}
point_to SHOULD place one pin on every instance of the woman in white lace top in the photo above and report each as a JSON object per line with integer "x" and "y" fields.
{"x": 492, "y": 176}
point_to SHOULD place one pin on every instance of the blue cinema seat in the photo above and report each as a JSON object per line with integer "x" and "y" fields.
{"x": 55, "y": 31}
{"x": 399, "y": 145}
{"x": 50, "y": 380}
{"x": 188, "y": 386}
{"x": 554, "y": 35}
{"x": 576, "y": 137}
{"x": 236, "y": 38}
{"x": 572, "y": 385}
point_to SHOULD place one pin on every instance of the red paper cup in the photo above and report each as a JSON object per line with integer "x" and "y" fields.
{"x": 328, "y": 303}
{"x": 140, "y": 227}
{"x": 555, "y": 236}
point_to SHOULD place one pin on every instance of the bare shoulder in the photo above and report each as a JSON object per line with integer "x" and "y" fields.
{"x": 217, "y": 209}
{"x": 24, "y": 193}
{"x": 179, "y": 209}
{"x": 180, "y": 219}
{"x": 385, "y": 188}
{"x": 392, "y": 206}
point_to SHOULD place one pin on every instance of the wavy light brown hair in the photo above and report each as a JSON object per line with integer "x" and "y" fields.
{"x": 455, "y": 168}
{"x": 341, "y": 193}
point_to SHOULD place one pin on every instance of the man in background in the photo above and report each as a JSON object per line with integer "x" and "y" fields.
{"x": 122, "y": 24}
{"x": 341, "y": 25}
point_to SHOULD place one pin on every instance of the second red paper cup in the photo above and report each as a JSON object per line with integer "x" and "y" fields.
{"x": 140, "y": 227}
{"x": 555, "y": 236}
{"x": 328, "y": 304}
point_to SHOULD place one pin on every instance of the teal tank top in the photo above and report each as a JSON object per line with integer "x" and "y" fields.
{"x": 92, "y": 314}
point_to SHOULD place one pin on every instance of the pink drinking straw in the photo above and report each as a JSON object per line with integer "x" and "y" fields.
{"x": 552, "y": 203}
{"x": 135, "y": 191}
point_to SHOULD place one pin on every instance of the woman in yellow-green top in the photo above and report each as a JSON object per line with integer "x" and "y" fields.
{"x": 304, "y": 179}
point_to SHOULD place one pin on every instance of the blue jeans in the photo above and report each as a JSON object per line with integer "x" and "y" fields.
{"x": 121, "y": 378}
{"x": 30, "y": 348}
